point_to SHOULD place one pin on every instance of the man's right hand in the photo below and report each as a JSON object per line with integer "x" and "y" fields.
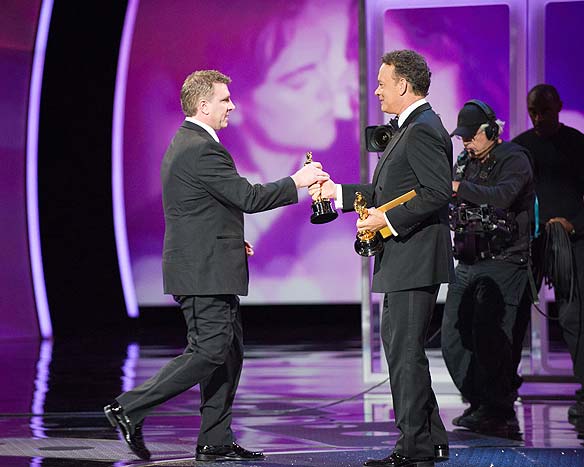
{"x": 566, "y": 224}
{"x": 310, "y": 174}
{"x": 327, "y": 189}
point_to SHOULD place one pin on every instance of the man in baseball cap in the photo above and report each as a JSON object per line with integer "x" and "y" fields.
{"x": 470, "y": 119}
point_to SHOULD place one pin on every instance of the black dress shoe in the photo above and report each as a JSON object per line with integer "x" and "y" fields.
{"x": 131, "y": 433}
{"x": 460, "y": 420}
{"x": 490, "y": 421}
{"x": 441, "y": 452}
{"x": 397, "y": 460}
{"x": 229, "y": 452}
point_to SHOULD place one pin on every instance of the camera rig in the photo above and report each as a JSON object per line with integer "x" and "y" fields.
{"x": 480, "y": 232}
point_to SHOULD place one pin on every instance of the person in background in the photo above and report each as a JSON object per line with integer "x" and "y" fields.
{"x": 557, "y": 153}
{"x": 490, "y": 214}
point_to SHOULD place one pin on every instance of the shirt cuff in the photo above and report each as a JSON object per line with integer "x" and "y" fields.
{"x": 339, "y": 200}
{"x": 393, "y": 231}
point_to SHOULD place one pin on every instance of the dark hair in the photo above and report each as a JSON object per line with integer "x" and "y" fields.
{"x": 541, "y": 89}
{"x": 411, "y": 66}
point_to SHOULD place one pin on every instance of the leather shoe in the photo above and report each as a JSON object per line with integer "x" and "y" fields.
{"x": 485, "y": 420}
{"x": 229, "y": 452}
{"x": 441, "y": 452}
{"x": 132, "y": 433}
{"x": 397, "y": 460}
{"x": 461, "y": 419}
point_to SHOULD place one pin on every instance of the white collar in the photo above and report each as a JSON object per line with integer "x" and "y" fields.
{"x": 406, "y": 113}
{"x": 210, "y": 130}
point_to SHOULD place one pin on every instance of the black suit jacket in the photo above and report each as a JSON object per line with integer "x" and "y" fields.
{"x": 418, "y": 157}
{"x": 204, "y": 199}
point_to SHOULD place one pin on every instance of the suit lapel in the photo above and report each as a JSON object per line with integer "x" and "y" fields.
{"x": 386, "y": 153}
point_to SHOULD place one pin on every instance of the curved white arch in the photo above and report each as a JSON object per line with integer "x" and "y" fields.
{"x": 118, "y": 162}
{"x": 32, "y": 137}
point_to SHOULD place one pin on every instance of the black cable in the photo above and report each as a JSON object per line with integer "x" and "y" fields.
{"x": 559, "y": 262}
{"x": 560, "y": 272}
{"x": 545, "y": 315}
{"x": 330, "y": 404}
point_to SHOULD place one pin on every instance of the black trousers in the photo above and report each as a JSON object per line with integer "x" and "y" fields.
{"x": 570, "y": 314}
{"x": 404, "y": 327}
{"x": 477, "y": 331}
{"x": 213, "y": 359}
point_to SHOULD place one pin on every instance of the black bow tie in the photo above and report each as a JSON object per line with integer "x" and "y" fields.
{"x": 393, "y": 123}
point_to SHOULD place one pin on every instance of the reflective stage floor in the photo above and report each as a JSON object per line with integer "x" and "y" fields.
{"x": 303, "y": 404}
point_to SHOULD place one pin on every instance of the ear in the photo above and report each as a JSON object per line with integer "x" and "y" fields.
{"x": 403, "y": 86}
{"x": 204, "y": 107}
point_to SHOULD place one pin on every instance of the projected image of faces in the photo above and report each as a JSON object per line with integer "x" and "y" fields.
{"x": 295, "y": 87}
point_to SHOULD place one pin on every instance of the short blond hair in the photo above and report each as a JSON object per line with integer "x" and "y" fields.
{"x": 197, "y": 87}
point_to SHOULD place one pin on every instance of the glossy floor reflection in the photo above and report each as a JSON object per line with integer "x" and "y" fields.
{"x": 303, "y": 404}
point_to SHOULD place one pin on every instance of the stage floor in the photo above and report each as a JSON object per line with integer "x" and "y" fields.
{"x": 303, "y": 404}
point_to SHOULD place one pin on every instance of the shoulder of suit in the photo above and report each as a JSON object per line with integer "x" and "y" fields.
{"x": 430, "y": 124}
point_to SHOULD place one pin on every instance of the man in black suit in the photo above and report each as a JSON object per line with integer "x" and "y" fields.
{"x": 205, "y": 268}
{"x": 417, "y": 258}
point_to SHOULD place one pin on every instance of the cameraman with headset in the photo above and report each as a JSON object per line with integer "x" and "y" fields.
{"x": 491, "y": 214}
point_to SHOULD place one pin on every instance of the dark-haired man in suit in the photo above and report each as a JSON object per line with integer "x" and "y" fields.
{"x": 205, "y": 268}
{"x": 417, "y": 258}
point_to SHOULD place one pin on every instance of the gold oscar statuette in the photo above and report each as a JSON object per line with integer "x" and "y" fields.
{"x": 322, "y": 210}
{"x": 368, "y": 243}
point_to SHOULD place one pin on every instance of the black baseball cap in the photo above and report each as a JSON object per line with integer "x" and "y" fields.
{"x": 470, "y": 118}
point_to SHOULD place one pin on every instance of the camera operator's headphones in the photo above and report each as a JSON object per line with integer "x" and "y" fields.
{"x": 492, "y": 130}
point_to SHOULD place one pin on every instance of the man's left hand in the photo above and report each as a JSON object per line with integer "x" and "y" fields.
{"x": 566, "y": 224}
{"x": 375, "y": 221}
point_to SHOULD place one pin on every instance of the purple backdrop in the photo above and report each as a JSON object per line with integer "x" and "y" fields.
{"x": 294, "y": 66}
{"x": 17, "y": 34}
{"x": 294, "y": 71}
{"x": 564, "y": 58}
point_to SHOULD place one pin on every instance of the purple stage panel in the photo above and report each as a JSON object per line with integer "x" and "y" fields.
{"x": 295, "y": 87}
{"x": 564, "y": 58}
{"x": 18, "y": 22}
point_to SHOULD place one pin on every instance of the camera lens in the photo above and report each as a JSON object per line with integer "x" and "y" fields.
{"x": 378, "y": 137}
